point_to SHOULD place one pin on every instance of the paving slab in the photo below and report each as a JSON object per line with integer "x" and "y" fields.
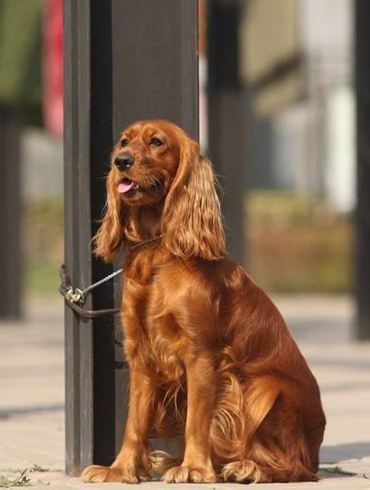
{"x": 32, "y": 395}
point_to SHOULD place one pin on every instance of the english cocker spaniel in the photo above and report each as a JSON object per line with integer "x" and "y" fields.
{"x": 210, "y": 356}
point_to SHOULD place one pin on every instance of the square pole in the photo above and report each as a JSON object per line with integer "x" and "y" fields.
{"x": 362, "y": 221}
{"x": 10, "y": 217}
{"x": 124, "y": 60}
{"x": 227, "y": 115}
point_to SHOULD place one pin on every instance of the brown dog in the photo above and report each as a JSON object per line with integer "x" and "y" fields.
{"x": 209, "y": 354}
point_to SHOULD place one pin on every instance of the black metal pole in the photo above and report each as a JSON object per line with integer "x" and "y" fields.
{"x": 227, "y": 115}
{"x": 124, "y": 60}
{"x": 90, "y": 362}
{"x": 362, "y": 217}
{"x": 155, "y": 62}
{"x": 10, "y": 216}
{"x": 155, "y": 75}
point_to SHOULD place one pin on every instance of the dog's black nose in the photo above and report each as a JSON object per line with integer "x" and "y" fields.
{"x": 124, "y": 162}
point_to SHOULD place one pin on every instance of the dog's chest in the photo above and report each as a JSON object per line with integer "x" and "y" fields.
{"x": 165, "y": 339}
{"x": 150, "y": 323}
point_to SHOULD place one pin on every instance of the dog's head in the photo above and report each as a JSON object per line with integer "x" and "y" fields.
{"x": 155, "y": 163}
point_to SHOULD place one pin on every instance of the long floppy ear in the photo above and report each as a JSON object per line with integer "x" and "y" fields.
{"x": 110, "y": 235}
{"x": 191, "y": 218}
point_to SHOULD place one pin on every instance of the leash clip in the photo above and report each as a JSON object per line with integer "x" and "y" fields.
{"x": 75, "y": 298}
{"x": 74, "y": 295}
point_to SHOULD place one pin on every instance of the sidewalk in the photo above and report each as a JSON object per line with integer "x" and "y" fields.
{"x": 32, "y": 395}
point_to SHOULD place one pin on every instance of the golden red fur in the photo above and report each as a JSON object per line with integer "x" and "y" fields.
{"x": 209, "y": 354}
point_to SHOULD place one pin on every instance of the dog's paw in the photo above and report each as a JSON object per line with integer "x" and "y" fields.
{"x": 99, "y": 474}
{"x": 184, "y": 474}
{"x": 241, "y": 471}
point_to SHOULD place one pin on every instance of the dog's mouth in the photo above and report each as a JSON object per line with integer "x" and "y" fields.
{"x": 127, "y": 185}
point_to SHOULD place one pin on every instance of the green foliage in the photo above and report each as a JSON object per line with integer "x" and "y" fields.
{"x": 39, "y": 469}
{"x": 20, "y": 52}
{"x": 294, "y": 246}
{"x": 337, "y": 470}
{"x": 41, "y": 278}
{"x": 277, "y": 207}
{"x": 43, "y": 246}
{"x": 22, "y": 480}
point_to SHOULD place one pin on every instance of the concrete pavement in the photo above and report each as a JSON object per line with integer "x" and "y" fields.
{"x": 32, "y": 395}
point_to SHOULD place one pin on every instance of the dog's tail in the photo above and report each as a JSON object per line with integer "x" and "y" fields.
{"x": 239, "y": 412}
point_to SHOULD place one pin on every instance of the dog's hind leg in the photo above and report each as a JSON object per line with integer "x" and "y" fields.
{"x": 277, "y": 450}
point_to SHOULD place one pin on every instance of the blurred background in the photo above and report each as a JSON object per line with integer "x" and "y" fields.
{"x": 296, "y": 64}
{"x": 31, "y": 132}
{"x": 277, "y": 118}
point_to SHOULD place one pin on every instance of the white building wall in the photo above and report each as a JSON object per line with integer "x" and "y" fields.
{"x": 315, "y": 139}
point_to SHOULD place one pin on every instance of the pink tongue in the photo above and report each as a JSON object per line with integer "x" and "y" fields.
{"x": 125, "y": 186}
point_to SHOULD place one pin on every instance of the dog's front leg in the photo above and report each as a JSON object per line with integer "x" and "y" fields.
{"x": 201, "y": 387}
{"x": 131, "y": 464}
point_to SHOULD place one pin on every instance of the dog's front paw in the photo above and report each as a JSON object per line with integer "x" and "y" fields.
{"x": 184, "y": 474}
{"x": 97, "y": 474}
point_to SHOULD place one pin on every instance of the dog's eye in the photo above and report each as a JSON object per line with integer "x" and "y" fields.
{"x": 155, "y": 142}
{"x": 124, "y": 142}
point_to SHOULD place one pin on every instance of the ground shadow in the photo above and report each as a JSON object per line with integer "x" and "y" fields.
{"x": 341, "y": 452}
{"x": 16, "y": 411}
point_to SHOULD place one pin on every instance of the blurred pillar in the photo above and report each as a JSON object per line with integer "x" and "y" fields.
{"x": 10, "y": 212}
{"x": 227, "y": 115}
{"x": 362, "y": 218}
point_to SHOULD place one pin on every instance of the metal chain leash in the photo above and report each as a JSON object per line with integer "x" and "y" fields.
{"x": 75, "y": 297}
{"x": 78, "y": 296}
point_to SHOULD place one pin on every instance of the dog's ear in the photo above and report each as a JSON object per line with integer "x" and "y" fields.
{"x": 191, "y": 219}
{"x": 110, "y": 235}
